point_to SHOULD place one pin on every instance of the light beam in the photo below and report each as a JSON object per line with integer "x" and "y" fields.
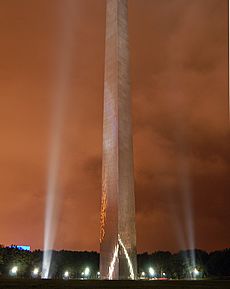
{"x": 61, "y": 90}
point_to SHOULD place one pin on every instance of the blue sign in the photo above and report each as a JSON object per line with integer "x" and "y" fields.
{"x": 23, "y": 248}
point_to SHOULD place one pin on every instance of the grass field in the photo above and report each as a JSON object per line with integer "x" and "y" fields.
{"x": 74, "y": 284}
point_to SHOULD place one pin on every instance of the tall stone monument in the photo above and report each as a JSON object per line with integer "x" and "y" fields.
{"x": 118, "y": 232}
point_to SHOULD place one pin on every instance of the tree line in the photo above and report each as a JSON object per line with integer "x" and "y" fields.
{"x": 179, "y": 265}
{"x": 187, "y": 264}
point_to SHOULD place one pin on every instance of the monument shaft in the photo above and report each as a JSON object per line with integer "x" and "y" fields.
{"x": 118, "y": 232}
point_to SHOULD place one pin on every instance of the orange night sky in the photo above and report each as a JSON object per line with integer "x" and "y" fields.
{"x": 179, "y": 58}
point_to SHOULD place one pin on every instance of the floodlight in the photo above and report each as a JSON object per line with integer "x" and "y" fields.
{"x": 196, "y": 272}
{"x": 35, "y": 271}
{"x": 14, "y": 270}
{"x": 151, "y": 271}
{"x": 87, "y": 271}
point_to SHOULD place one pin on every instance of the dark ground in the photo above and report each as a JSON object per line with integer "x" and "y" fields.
{"x": 74, "y": 284}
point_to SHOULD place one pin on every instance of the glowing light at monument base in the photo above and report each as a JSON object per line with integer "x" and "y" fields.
{"x": 132, "y": 275}
{"x": 116, "y": 259}
{"x": 113, "y": 262}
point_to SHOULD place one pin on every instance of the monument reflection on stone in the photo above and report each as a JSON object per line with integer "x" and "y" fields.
{"x": 118, "y": 232}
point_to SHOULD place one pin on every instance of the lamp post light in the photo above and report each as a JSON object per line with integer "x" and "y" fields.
{"x": 35, "y": 272}
{"x": 14, "y": 271}
{"x": 87, "y": 272}
{"x": 66, "y": 275}
{"x": 143, "y": 275}
{"x": 151, "y": 272}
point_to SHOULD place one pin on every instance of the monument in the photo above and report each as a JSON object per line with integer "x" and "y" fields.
{"x": 118, "y": 232}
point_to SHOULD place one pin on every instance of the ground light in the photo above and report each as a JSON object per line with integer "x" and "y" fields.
{"x": 151, "y": 272}
{"x": 196, "y": 272}
{"x": 35, "y": 272}
{"x": 66, "y": 275}
{"x": 14, "y": 271}
{"x": 87, "y": 272}
{"x": 143, "y": 275}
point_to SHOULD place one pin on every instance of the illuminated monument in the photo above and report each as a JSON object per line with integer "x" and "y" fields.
{"x": 118, "y": 232}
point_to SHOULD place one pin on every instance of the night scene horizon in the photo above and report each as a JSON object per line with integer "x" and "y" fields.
{"x": 51, "y": 106}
